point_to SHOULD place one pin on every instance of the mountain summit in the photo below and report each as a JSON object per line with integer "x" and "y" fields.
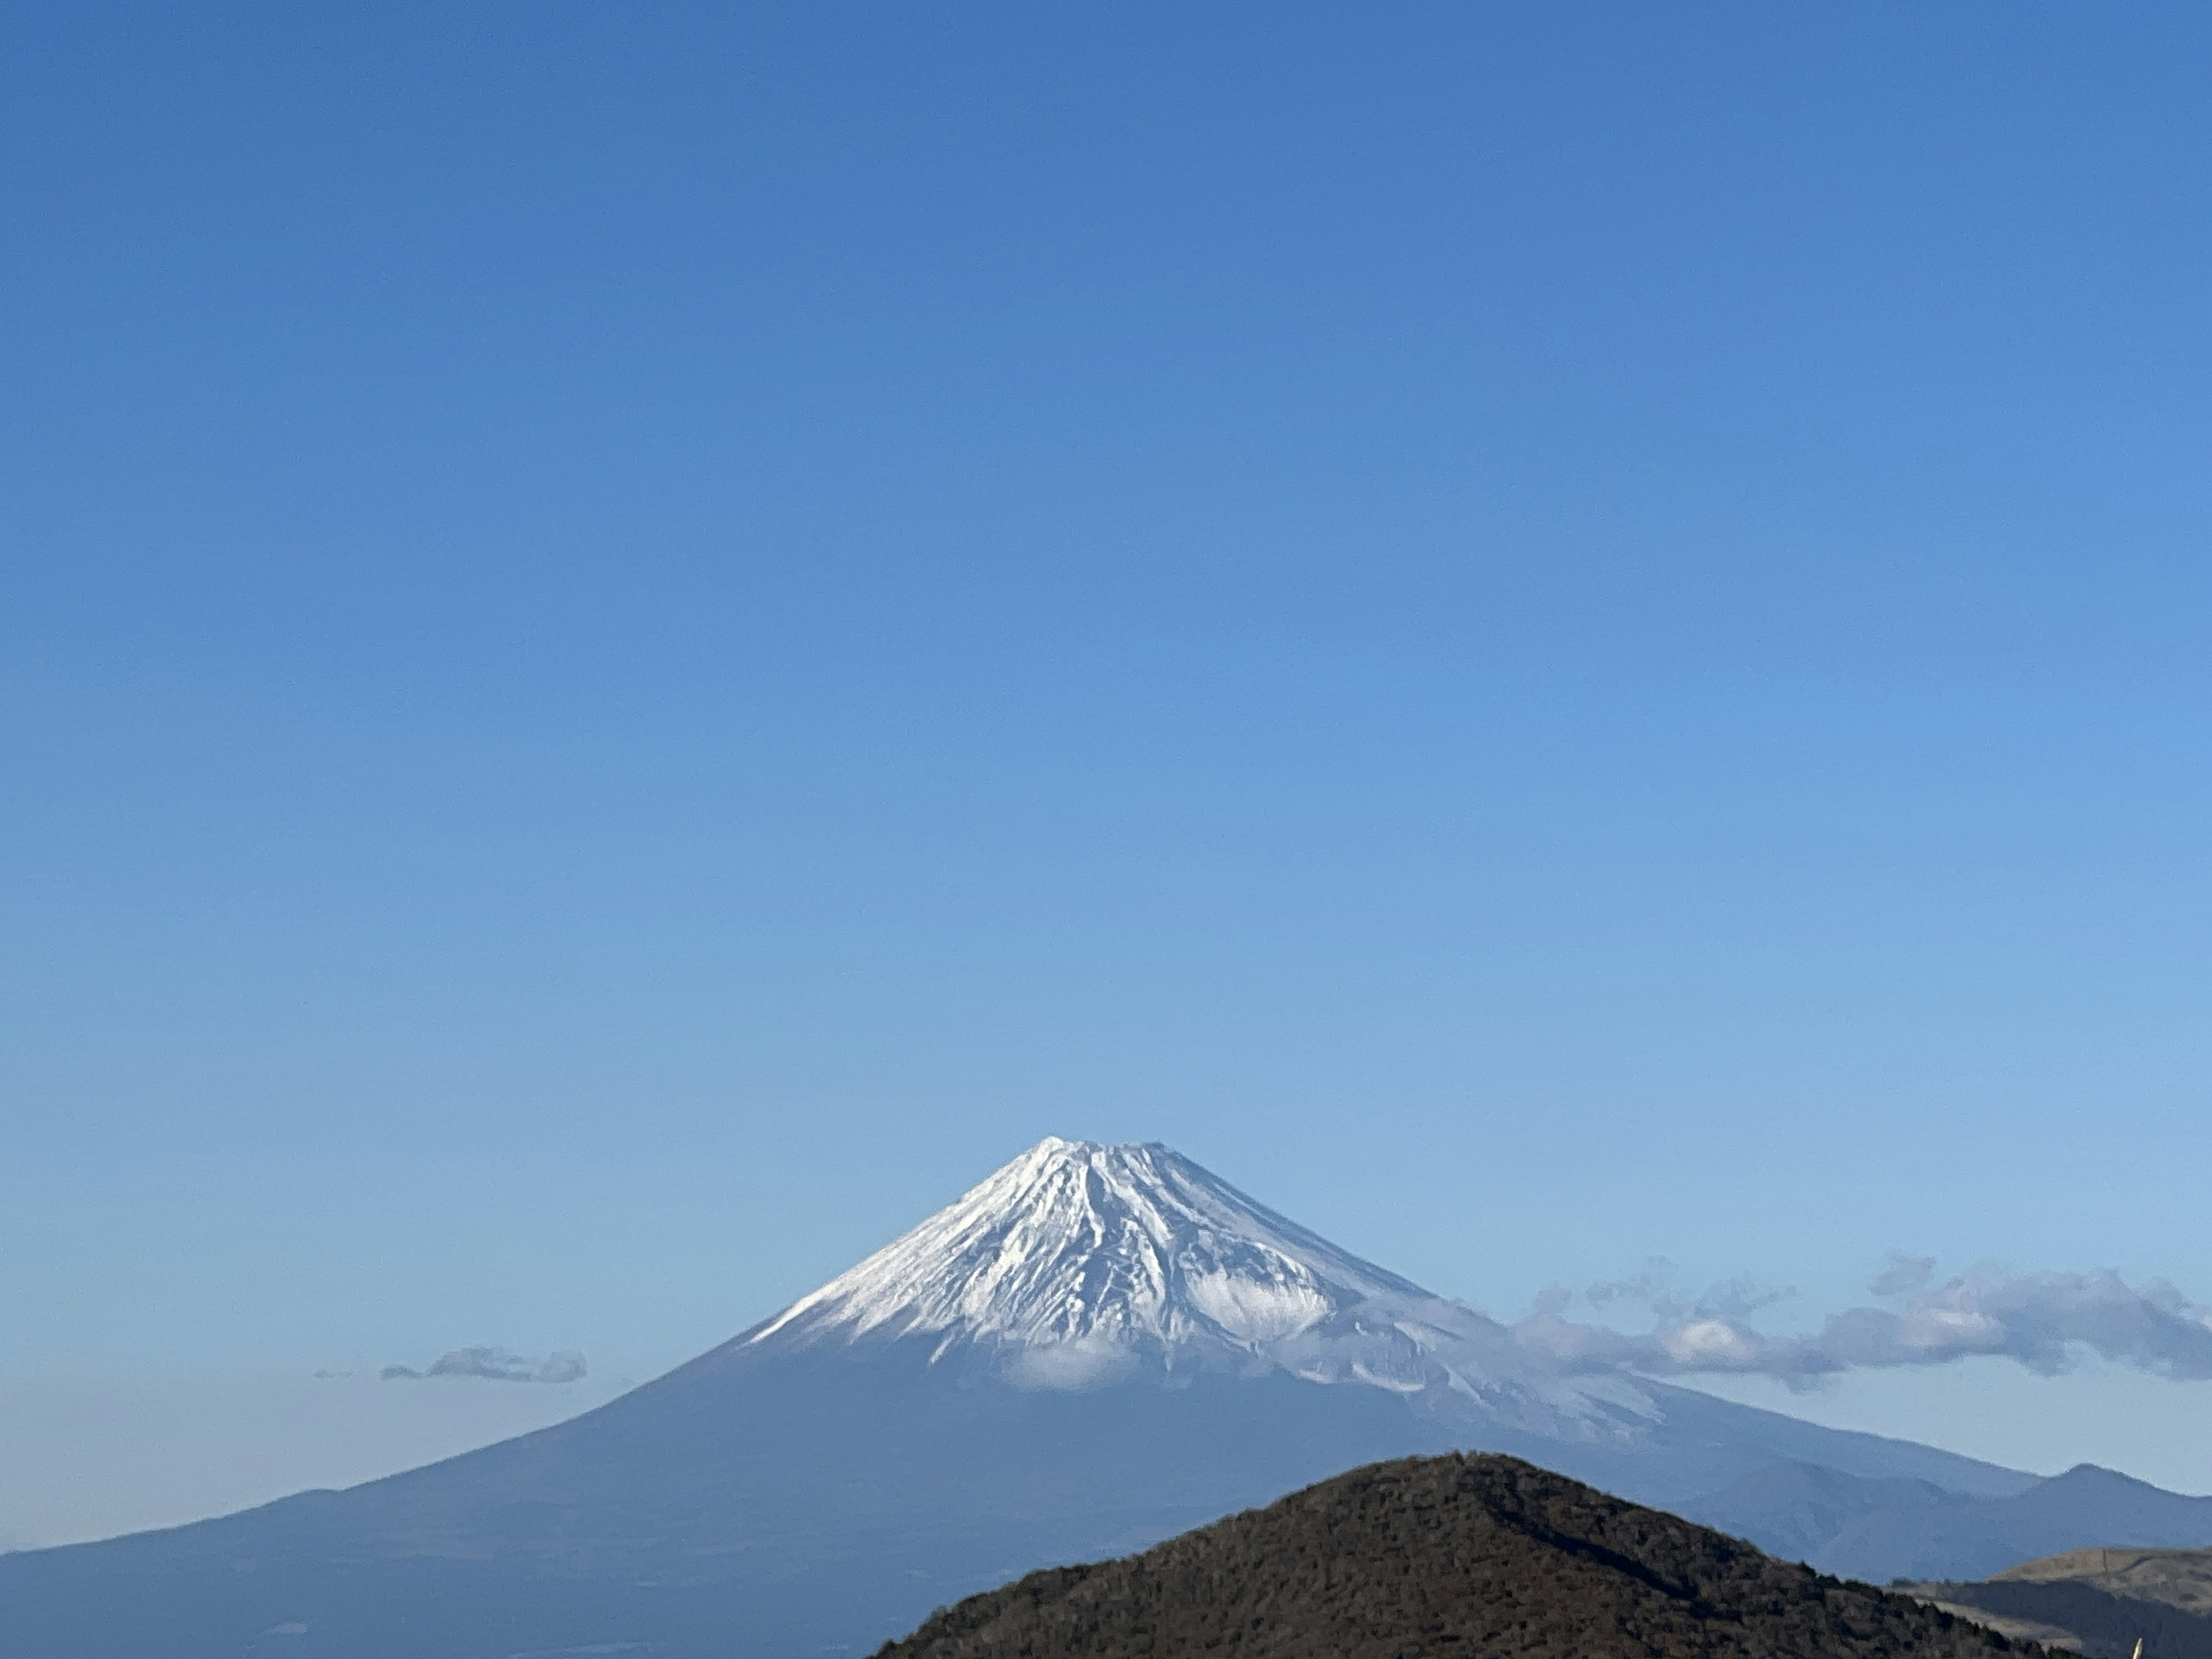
{"x": 1134, "y": 1247}
{"x": 1079, "y": 1264}
{"x": 1096, "y": 1348}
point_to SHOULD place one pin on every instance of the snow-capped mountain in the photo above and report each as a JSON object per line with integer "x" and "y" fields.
{"x": 1096, "y": 1347}
{"x": 1135, "y": 1246}
{"x": 1079, "y": 1264}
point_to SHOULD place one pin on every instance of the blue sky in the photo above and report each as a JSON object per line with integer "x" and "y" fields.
{"x": 639, "y": 641}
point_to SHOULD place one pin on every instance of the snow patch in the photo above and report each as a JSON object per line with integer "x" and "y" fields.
{"x": 1256, "y": 1310}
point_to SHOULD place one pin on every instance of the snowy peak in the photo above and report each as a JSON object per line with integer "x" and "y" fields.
{"x": 1080, "y": 1264}
{"x": 1079, "y": 1242}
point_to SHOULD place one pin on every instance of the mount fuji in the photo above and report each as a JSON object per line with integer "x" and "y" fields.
{"x": 1097, "y": 1347}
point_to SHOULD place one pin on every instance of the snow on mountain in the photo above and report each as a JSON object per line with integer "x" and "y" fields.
{"x": 1075, "y": 1242}
{"x": 1080, "y": 1263}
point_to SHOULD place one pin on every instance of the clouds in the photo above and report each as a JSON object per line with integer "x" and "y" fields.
{"x": 1086, "y": 1362}
{"x": 494, "y": 1364}
{"x": 2044, "y": 1321}
{"x": 1905, "y": 1274}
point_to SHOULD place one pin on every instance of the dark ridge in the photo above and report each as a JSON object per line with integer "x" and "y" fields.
{"x": 1458, "y": 1555}
{"x": 2104, "y": 1622}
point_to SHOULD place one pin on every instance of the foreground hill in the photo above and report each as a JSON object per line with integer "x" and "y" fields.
{"x": 1450, "y": 1555}
{"x": 2101, "y": 1601}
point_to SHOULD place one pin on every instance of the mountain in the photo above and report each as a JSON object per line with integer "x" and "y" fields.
{"x": 2101, "y": 1601}
{"x": 2174, "y": 1578}
{"x": 1882, "y": 1530}
{"x": 1097, "y": 1348}
{"x": 1795, "y": 1510}
{"x": 1079, "y": 1266}
{"x": 1448, "y": 1555}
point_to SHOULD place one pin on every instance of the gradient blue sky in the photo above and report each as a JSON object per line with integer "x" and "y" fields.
{"x": 639, "y": 640}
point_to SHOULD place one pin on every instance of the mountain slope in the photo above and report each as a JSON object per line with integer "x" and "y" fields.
{"x": 1795, "y": 1510}
{"x": 1450, "y": 1555}
{"x": 2103, "y": 1600}
{"x": 2177, "y": 1578}
{"x": 1880, "y": 1529}
{"x": 1096, "y": 1348}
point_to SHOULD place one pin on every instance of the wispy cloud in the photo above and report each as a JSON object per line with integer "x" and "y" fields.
{"x": 1903, "y": 1275}
{"x": 2045, "y": 1321}
{"x": 493, "y": 1365}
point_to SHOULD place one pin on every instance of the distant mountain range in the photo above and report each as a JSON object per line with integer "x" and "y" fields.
{"x": 1880, "y": 1529}
{"x": 1096, "y": 1348}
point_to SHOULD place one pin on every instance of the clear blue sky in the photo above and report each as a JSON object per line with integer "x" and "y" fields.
{"x": 638, "y": 641}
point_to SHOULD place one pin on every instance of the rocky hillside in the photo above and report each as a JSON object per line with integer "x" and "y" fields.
{"x": 1458, "y": 1555}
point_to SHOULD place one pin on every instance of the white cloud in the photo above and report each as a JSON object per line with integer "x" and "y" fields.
{"x": 2044, "y": 1321}
{"x": 1088, "y": 1361}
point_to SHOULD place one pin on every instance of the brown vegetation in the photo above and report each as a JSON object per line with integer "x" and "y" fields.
{"x": 1459, "y": 1555}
